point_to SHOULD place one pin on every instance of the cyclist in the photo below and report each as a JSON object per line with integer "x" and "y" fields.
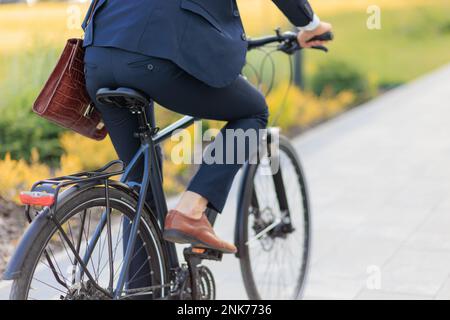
{"x": 186, "y": 55}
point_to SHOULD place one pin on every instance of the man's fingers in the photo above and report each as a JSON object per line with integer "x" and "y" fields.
{"x": 317, "y": 43}
{"x": 305, "y": 36}
{"x": 306, "y": 44}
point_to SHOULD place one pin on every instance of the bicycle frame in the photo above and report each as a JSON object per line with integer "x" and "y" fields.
{"x": 151, "y": 138}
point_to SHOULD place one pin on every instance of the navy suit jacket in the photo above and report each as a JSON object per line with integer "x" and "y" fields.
{"x": 204, "y": 37}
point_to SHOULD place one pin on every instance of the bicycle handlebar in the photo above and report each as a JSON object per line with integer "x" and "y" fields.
{"x": 288, "y": 41}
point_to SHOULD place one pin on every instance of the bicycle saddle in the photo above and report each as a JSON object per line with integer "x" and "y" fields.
{"x": 122, "y": 97}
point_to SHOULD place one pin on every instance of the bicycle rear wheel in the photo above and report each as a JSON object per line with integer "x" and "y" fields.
{"x": 51, "y": 270}
{"x": 274, "y": 227}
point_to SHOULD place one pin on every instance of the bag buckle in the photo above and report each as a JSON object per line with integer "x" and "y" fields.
{"x": 100, "y": 126}
{"x": 88, "y": 112}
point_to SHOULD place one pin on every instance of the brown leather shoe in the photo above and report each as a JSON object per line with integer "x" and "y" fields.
{"x": 180, "y": 228}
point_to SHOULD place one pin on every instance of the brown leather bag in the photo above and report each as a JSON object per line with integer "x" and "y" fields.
{"x": 64, "y": 99}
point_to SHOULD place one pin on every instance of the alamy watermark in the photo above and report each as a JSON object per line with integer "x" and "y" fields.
{"x": 226, "y": 146}
{"x": 373, "y": 281}
{"x": 374, "y": 19}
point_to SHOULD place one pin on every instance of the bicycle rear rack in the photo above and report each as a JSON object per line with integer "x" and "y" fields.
{"x": 45, "y": 194}
{"x": 47, "y": 189}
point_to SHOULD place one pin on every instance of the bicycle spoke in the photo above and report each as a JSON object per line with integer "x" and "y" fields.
{"x": 70, "y": 232}
{"x": 57, "y": 273}
{"x": 132, "y": 258}
{"x": 86, "y": 236}
{"x": 101, "y": 251}
{"x": 137, "y": 272}
{"x": 65, "y": 248}
{"x": 144, "y": 276}
{"x": 55, "y": 262}
{"x": 108, "y": 230}
{"x": 76, "y": 256}
{"x": 50, "y": 286}
{"x": 115, "y": 249}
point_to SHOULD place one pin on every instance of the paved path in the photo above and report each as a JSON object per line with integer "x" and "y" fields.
{"x": 379, "y": 178}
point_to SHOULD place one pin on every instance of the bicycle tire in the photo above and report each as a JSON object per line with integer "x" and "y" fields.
{"x": 149, "y": 233}
{"x": 249, "y": 280}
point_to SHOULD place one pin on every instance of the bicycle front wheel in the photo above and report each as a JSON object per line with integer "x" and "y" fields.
{"x": 52, "y": 271}
{"x": 274, "y": 227}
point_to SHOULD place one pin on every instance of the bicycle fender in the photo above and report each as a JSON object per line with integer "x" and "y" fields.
{"x": 14, "y": 267}
{"x": 242, "y": 199}
{"x": 248, "y": 170}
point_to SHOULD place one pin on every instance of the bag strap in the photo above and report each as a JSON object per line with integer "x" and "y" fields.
{"x": 94, "y": 4}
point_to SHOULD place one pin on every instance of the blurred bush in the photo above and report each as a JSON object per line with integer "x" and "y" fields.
{"x": 23, "y": 76}
{"x": 88, "y": 154}
{"x": 334, "y": 76}
{"x": 300, "y": 110}
{"x": 78, "y": 154}
{"x": 16, "y": 175}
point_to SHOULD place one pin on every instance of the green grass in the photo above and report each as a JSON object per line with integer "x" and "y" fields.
{"x": 410, "y": 43}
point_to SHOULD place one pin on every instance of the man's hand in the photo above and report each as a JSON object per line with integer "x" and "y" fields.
{"x": 304, "y": 36}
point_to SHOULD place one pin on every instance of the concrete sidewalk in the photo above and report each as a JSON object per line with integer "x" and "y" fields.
{"x": 379, "y": 179}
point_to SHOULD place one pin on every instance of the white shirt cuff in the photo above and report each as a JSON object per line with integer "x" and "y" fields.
{"x": 312, "y": 25}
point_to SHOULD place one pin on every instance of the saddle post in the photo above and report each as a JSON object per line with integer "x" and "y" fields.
{"x": 146, "y": 121}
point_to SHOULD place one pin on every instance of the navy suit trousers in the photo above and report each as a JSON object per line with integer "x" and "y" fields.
{"x": 240, "y": 104}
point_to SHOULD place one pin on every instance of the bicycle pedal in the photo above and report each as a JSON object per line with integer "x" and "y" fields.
{"x": 198, "y": 250}
{"x": 203, "y": 253}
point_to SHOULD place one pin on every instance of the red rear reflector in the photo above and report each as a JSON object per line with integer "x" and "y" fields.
{"x": 37, "y": 198}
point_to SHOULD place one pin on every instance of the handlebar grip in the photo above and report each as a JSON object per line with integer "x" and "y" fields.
{"x": 327, "y": 36}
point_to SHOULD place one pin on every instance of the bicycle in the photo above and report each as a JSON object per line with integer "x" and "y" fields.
{"x": 77, "y": 220}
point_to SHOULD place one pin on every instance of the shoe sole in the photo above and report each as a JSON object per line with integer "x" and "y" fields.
{"x": 177, "y": 236}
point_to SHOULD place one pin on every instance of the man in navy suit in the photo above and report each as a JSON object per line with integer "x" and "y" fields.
{"x": 187, "y": 56}
{"x": 204, "y": 37}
